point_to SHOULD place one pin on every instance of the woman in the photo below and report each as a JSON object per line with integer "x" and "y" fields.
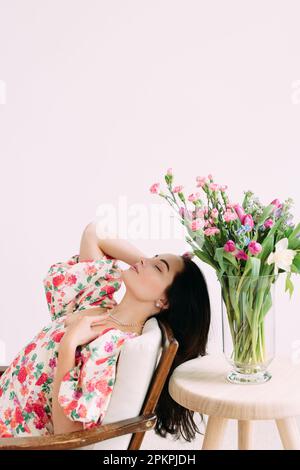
{"x": 63, "y": 379}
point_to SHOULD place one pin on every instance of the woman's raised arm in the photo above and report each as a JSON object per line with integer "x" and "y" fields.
{"x": 94, "y": 245}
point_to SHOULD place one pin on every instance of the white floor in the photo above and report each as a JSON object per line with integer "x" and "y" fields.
{"x": 265, "y": 437}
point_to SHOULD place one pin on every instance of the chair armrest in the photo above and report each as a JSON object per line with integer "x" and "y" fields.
{"x": 80, "y": 438}
{"x": 2, "y": 369}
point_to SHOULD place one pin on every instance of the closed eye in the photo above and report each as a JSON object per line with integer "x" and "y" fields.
{"x": 158, "y": 268}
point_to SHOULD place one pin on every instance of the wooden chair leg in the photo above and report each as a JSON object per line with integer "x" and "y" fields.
{"x": 289, "y": 433}
{"x": 214, "y": 432}
{"x": 244, "y": 434}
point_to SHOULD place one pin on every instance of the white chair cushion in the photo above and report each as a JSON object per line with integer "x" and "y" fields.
{"x": 136, "y": 364}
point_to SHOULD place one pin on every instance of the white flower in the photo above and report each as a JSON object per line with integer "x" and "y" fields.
{"x": 282, "y": 257}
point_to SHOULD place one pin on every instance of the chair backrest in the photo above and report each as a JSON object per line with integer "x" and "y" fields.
{"x": 168, "y": 352}
{"x": 135, "y": 368}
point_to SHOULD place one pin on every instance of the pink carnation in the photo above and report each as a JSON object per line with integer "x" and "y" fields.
{"x": 154, "y": 188}
{"x": 211, "y": 231}
{"x": 197, "y": 224}
{"x": 214, "y": 213}
{"x": 177, "y": 189}
{"x": 229, "y": 216}
{"x": 199, "y": 212}
{"x": 201, "y": 181}
{"x": 214, "y": 186}
{"x": 193, "y": 197}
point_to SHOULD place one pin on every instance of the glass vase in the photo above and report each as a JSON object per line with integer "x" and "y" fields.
{"x": 248, "y": 326}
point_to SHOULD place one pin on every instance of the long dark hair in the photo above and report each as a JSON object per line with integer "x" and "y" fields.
{"x": 188, "y": 315}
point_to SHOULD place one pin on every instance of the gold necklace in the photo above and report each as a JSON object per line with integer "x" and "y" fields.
{"x": 116, "y": 320}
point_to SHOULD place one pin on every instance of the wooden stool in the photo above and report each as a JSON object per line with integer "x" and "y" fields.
{"x": 200, "y": 385}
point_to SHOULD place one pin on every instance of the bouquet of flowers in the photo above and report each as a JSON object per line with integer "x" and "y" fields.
{"x": 247, "y": 244}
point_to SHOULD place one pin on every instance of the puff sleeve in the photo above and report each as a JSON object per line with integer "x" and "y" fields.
{"x": 86, "y": 389}
{"x": 89, "y": 282}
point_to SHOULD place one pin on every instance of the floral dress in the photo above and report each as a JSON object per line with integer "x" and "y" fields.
{"x": 85, "y": 390}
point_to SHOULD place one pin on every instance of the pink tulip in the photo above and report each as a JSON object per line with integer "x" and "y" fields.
{"x": 229, "y": 246}
{"x": 241, "y": 255}
{"x": 188, "y": 254}
{"x": 210, "y": 176}
{"x": 248, "y": 220}
{"x": 268, "y": 223}
{"x": 197, "y": 224}
{"x": 240, "y": 211}
{"x": 169, "y": 171}
{"x": 223, "y": 187}
{"x": 254, "y": 247}
{"x": 211, "y": 231}
{"x": 177, "y": 189}
{"x": 276, "y": 203}
{"x": 154, "y": 189}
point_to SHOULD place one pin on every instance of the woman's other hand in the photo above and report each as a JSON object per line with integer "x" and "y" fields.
{"x": 70, "y": 313}
{"x": 80, "y": 330}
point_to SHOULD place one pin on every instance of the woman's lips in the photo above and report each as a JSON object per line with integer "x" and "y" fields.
{"x": 134, "y": 267}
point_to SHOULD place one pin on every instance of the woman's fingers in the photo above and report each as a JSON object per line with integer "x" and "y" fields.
{"x": 70, "y": 306}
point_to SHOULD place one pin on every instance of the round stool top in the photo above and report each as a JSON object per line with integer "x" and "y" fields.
{"x": 200, "y": 385}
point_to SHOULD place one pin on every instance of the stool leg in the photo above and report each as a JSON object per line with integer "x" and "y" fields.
{"x": 289, "y": 433}
{"x": 244, "y": 434}
{"x": 214, "y": 432}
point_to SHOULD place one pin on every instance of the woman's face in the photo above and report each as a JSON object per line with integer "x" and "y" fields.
{"x": 148, "y": 279}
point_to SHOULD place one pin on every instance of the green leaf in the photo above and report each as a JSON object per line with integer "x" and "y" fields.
{"x": 295, "y": 232}
{"x": 289, "y": 286}
{"x": 296, "y": 262}
{"x": 231, "y": 258}
{"x": 255, "y": 266}
{"x": 207, "y": 259}
{"x": 267, "y": 248}
{"x": 219, "y": 257}
{"x": 294, "y": 243}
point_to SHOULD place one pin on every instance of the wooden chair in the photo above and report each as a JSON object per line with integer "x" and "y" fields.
{"x": 137, "y": 425}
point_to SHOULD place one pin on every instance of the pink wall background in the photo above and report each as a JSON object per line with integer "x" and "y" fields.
{"x": 102, "y": 97}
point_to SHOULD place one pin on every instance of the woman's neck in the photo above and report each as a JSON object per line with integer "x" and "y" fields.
{"x": 131, "y": 311}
